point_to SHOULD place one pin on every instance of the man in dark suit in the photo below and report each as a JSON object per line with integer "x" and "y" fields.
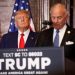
{"x": 59, "y": 16}
{"x": 13, "y": 39}
{"x": 65, "y": 34}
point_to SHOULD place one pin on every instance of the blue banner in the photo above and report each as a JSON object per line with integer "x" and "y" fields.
{"x": 32, "y": 61}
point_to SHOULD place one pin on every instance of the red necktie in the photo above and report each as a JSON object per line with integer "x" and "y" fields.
{"x": 21, "y": 43}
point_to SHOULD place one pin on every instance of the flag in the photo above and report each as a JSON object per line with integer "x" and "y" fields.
{"x": 20, "y": 5}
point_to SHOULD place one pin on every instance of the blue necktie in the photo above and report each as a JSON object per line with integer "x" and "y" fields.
{"x": 56, "y": 39}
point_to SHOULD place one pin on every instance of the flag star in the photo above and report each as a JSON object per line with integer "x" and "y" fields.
{"x": 27, "y": 3}
{"x": 12, "y": 17}
{"x": 16, "y": 4}
{"x": 27, "y": 9}
{"x": 11, "y": 23}
{"x": 14, "y": 11}
{"x": 23, "y": 1}
{"x": 21, "y": 7}
{"x": 9, "y": 30}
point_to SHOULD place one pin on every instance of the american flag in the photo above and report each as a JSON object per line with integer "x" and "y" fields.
{"x": 20, "y": 5}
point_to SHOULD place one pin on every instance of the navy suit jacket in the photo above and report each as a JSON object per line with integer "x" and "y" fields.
{"x": 10, "y": 40}
{"x": 45, "y": 38}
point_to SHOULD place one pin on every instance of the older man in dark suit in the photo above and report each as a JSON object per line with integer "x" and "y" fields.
{"x": 22, "y": 38}
{"x": 60, "y": 34}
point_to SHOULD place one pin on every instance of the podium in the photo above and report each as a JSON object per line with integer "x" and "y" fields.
{"x": 32, "y": 61}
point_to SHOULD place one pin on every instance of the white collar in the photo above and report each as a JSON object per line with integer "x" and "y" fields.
{"x": 64, "y": 27}
{"x": 25, "y": 32}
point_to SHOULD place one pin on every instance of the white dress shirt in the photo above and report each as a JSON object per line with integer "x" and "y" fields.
{"x": 61, "y": 34}
{"x": 26, "y": 34}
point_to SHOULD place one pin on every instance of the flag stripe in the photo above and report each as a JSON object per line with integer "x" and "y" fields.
{"x": 20, "y": 5}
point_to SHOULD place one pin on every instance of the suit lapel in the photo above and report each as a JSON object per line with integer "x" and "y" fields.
{"x": 50, "y": 37}
{"x": 66, "y": 36}
{"x": 30, "y": 40}
{"x": 15, "y": 40}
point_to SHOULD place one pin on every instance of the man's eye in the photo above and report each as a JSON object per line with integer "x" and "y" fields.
{"x": 59, "y": 17}
{"x": 53, "y": 17}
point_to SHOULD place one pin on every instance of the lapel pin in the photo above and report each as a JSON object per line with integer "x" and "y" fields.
{"x": 68, "y": 32}
{"x": 32, "y": 38}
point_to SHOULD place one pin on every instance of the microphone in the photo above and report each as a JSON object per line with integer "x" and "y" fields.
{"x": 45, "y": 22}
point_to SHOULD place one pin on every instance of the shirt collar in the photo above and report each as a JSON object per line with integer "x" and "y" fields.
{"x": 25, "y": 32}
{"x": 64, "y": 27}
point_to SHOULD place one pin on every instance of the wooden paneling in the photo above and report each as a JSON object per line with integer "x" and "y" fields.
{"x": 6, "y": 7}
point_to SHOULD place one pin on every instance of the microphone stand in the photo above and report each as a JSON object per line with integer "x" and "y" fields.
{"x": 47, "y": 25}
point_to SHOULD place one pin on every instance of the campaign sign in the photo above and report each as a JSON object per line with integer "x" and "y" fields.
{"x": 32, "y": 61}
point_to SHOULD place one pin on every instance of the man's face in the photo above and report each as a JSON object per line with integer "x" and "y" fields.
{"x": 58, "y": 17}
{"x": 22, "y": 21}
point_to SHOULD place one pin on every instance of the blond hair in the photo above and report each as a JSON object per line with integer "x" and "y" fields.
{"x": 23, "y": 11}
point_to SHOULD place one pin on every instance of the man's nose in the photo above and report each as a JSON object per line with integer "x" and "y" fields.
{"x": 22, "y": 19}
{"x": 56, "y": 20}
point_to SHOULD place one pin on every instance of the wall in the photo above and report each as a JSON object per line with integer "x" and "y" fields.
{"x": 6, "y": 7}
